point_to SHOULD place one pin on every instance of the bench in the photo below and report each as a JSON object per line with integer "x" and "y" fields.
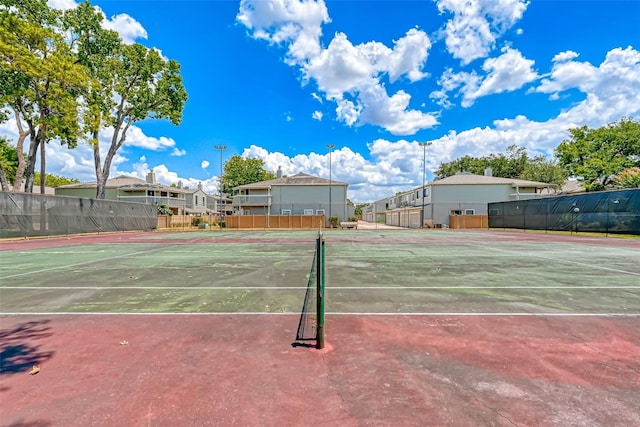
{"x": 349, "y": 224}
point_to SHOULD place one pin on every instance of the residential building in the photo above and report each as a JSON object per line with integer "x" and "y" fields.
{"x": 376, "y": 211}
{"x": 460, "y": 194}
{"x": 196, "y": 201}
{"x": 300, "y": 194}
{"x": 130, "y": 189}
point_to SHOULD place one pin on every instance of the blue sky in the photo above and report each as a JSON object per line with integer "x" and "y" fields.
{"x": 279, "y": 80}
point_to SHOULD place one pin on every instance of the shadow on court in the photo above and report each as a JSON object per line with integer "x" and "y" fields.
{"x": 21, "y": 348}
{"x": 375, "y": 370}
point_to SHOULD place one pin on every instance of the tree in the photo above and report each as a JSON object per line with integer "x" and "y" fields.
{"x": 40, "y": 81}
{"x": 596, "y": 156}
{"x": 240, "y": 171}
{"x": 541, "y": 169}
{"x": 515, "y": 164}
{"x": 130, "y": 83}
{"x": 628, "y": 178}
{"x": 359, "y": 207}
{"x": 52, "y": 180}
{"x": 8, "y": 164}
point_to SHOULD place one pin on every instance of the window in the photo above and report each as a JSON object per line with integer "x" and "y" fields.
{"x": 286, "y": 212}
{"x": 455, "y": 212}
{"x": 469, "y": 211}
{"x": 425, "y": 192}
{"x": 319, "y": 211}
{"x": 308, "y": 211}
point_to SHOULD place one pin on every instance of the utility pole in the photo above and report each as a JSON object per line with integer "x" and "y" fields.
{"x": 220, "y": 207}
{"x": 330, "y": 147}
{"x": 424, "y": 146}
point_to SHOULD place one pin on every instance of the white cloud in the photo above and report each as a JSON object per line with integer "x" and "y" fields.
{"x": 292, "y": 22}
{"x": 349, "y": 75}
{"x": 393, "y": 112}
{"x": 137, "y": 138}
{"x": 61, "y": 4}
{"x": 317, "y": 115}
{"x": 204, "y": 164}
{"x": 505, "y": 73}
{"x": 178, "y": 153}
{"x": 476, "y": 25}
{"x": 368, "y": 180}
{"x": 129, "y": 29}
{"x": 612, "y": 89}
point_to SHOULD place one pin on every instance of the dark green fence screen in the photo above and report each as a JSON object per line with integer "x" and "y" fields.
{"x": 602, "y": 212}
{"x": 25, "y": 215}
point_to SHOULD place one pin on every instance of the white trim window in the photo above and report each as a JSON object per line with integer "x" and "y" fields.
{"x": 285, "y": 212}
{"x": 308, "y": 211}
{"x": 320, "y": 212}
{"x": 469, "y": 211}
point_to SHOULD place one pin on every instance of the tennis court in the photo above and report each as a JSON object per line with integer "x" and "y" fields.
{"x": 437, "y": 327}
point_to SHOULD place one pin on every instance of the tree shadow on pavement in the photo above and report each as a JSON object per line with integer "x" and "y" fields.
{"x": 18, "y": 351}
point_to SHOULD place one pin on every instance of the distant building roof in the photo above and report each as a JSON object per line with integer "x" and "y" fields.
{"x": 466, "y": 178}
{"x": 297, "y": 179}
{"x": 126, "y": 182}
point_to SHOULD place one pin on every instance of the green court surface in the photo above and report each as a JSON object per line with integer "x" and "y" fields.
{"x": 367, "y": 272}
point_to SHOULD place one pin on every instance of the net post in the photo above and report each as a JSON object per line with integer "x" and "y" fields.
{"x": 320, "y": 291}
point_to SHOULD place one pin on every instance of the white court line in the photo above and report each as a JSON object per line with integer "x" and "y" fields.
{"x": 329, "y": 288}
{"x": 583, "y": 264}
{"x": 26, "y": 273}
{"x": 329, "y": 313}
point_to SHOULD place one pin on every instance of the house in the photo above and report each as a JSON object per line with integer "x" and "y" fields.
{"x": 196, "y": 201}
{"x": 460, "y": 194}
{"x": 376, "y": 211}
{"x": 300, "y": 194}
{"x": 130, "y": 189}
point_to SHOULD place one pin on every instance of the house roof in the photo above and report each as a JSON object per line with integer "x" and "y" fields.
{"x": 126, "y": 182}
{"x": 297, "y": 179}
{"x": 466, "y": 178}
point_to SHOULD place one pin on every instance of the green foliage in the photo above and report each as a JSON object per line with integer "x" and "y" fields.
{"x": 516, "y": 163}
{"x": 51, "y": 180}
{"x": 334, "y": 221}
{"x": 8, "y": 160}
{"x": 359, "y": 207}
{"x": 57, "y": 66}
{"x": 628, "y": 178}
{"x": 241, "y": 171}
{"x": 163, "y": 209}
{"x": 596, "y": 156}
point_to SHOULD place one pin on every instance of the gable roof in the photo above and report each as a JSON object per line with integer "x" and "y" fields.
{"x": 297, "y": 179}
{"x": 126, "y": 182}
{"x": 466, "y": 178}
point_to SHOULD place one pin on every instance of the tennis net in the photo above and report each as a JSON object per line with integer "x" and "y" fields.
{"x": 311, "y": 325}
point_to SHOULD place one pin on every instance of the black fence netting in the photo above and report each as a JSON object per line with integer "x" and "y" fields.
{"x": 25, "y": 215}
{"x": 601, "y": 212}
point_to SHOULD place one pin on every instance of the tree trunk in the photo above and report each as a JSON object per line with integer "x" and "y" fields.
{"x": 22, "y": 163}
{"x": 3, "y": 180}
{"x": 31, "y": 164}
{"x": 97, "y": 162}
{"x": 42, "y": 168}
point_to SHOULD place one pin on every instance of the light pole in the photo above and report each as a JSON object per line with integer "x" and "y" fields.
{"x": 424, "y": 146}
{"x": 330, "y": 147}
{"x": 220, "y": 209}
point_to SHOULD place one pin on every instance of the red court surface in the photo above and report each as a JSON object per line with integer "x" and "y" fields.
{"x": 241, "y": 370}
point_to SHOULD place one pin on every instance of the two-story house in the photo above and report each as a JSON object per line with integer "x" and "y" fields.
{"x": 130, "y": 189}
{"x": 300, "y": 194}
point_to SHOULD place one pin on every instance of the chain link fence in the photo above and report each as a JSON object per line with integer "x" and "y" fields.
{"x": 27, "y": 215}
{"x": 601, "y": 212}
